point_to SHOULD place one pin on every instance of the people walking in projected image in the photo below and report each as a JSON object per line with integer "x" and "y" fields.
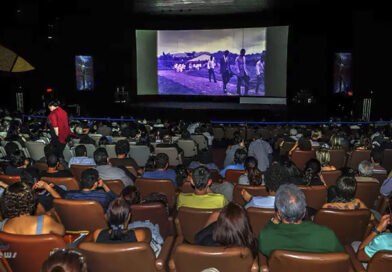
{"x": 243, "y": 75}
{"x": 211, "y": 67}
{"x": 225, "y": 69}
{"x": 259, "y": 72}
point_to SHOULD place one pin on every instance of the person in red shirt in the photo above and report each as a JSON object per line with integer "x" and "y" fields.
{"x": 58, "y": 122}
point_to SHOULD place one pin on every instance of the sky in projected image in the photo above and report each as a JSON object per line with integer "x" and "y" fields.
{"x": 179, "y": 41}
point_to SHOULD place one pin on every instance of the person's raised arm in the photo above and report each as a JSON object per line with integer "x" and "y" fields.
{"x": 43, "y": 185}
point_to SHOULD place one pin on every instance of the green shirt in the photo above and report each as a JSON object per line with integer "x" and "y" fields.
{"x": 304, "y": 237}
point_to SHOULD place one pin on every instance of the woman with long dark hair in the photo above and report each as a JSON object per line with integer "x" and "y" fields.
{"x": 230, "y": 229}
{"x": 312, "y": 173}
{"x": 253, "y": 175}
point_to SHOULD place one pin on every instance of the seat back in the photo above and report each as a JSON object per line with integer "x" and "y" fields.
{"x": 30, "y": 250}
{"x": 174, "y": 158}
{"x": 380, "y": 262}
{"x": 140, "y": 153}
{"x": 116, "y": 139}
{"x": 192, "y": 258}
{"x": 232, "y": 175}
{"x": 253, "y": 190}
{"x": 356, "y": 157}
{"x": 77, "y": 170}
{"x": 337, "y": 158}
{"x": 368, "y": 193}
{"x": 78, "y": 215}
{"x": 387, "y": 160}
{"x": 189, "y": 147}
{"x": 36, "y": 150}
{"x": 348, "y": 225}
{"x": 316, "y": 196}
{"x": 9, "y": 179}
{"x": 69, "y": 182}
{"x": 283, "y": 260}
{"x": 380, "y": 177}
{"x": 147, "y": 186}
{"x": 90, "y": 149}
{"x": 122, "y": 257}
{"x": 41, "y": 166}
{"x": 300, "y": 158}
{"x": 115, "y": 185}
{"x": 111, "y": 149}
{"x": 219, "y": 133}
{"x": 190, "y": 221}
{"x": 157, "y": 214}
{"x": 330, "y": 177}
{"x": 67, "y": 153}
{"x": 96, "y": 138}
{"x": 258, "y": 217}
{"x": 286, "y": 147}
{"x": 215, "y": 176}
{"x": 201, "y": 141}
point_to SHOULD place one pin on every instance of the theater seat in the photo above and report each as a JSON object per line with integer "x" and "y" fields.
{"x": 381, "y": 262}
{"x": 356, "y": 157}
{"x": 192, "y": 258}
{"x": 253, "y": 190}
{"x": 201, "y": 141}
{"x": 69, "y": 182}
{"x": 330, "y": 177}
{"x": 115, "y": 185}
{"x": 189, "y": 147}
{"x": 77, "y": 170}
{"x": 146, "y": 186}
{"x": 282, "y": 260}
{"x": 316, "y": 196}
{"x": 300, "y": 158}
{"x": 232, "y": 175}
{"x": 137, "y": 257}
{"x": 9, "y": 179}
{"x": 337, "y": 158}
{"x": 258, "y": 218}
{"x": 31, "y": 250}
{"x": 368, "y": 193}
{"x": 80, "y": 215}
{"x": 174, "y": 158}
{"x": 348, "y": 225}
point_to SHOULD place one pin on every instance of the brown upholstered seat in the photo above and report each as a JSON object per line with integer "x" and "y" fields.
{"x": 300, "y": 158}
{"x": 31, "y": 250}
{"x": 253, "y": 190}
{"x": 316, "y": 196}
{"x": 77, "y": 170}
{"x": 69, "y": 182}
{"x": 380, "y": 177}
{"x": 348, "y": 225}
{"x": 131, "y": 170}
{"x": 368, "y": 193}
{"x": 192, "y": 258}
{"x": 381, "y": 262}
{"x": 125, "y": 257}
{"x": 41, "y": 166}
{"x": 232, "y": 175}
{"x": 80, "y": 215}
{"x": 337, "y": 158}
{"x": 190, "y": 221}
{"x": 115, "y": 185}
{"x": 258, "y": 217}
{"x": 356, "y": 157}
{"x": 147, "y": 186}
{"x": 215, "y": 176}
{"x": 387, "y": 160}
{"x": 157, "y": 214}
{"x": 282, "y": 260}
{"x": 9, "y": 179}
{"x": 330, "y": 177}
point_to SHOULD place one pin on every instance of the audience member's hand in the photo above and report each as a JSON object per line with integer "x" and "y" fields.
{"x": 384, "y": 222}
{"x": 276, "y": 218}
{"x": 100, "y": 183}
{"x": 246, "y": 196}
{"x": 40, "y": 185}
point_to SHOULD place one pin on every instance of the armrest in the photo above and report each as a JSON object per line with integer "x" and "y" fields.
{"x": 172, "y": 229}
{"x": 263, "y": 263}
{"x": 356, "y": 264}
{"x": 161, "y": 261}
{"x": 179, "y": 240}
{"x": 255, "y": 265}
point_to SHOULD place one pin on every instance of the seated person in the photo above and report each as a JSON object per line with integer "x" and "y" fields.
{"x": 107, "y": 171}
{"x": 365, "y": 172}
{"x": 18, "y": 163}
{"x": 228, "y": 228}
{"x": 376, "y": 156}
{"x": 122, "y": 150}
{"x": 161, "y": 172}
{"x": 377, "y": 240}
{"x": 204, "y": 159}
{"x": 275, "y": 176}
{"x": 253, "y": 175}
{"x": 118, "y": 216}
{"x": 18, "y": 204}
{"x": 312, "y": 173}
{"x": 239, "y": 143}
{"x": 202, "y": 197}
{"x": 65, "y": 259}
{"x": 10, "y": 148}
{"x": 53, "y": 172}
{"x": 81, "y": 157}
{"x": 239, "y": 159}
{"x": 167, "y": 142}
{"x": 324, "y": 157}
{"x": 287, "y": 230}
{"x": 303, "y": 144}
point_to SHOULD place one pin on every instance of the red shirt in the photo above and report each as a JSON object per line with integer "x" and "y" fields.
{"x": 59, "y": 118}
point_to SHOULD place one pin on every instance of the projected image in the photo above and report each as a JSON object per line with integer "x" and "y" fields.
{"x": 342, "y": 73}
{"x": 211, "y": 62}
{"x": 84, "y": 73}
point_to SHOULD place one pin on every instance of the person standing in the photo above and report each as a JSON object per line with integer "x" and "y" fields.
{"x": 211, "y": 67}
{"x": 243, "y": 74}
{"x": 259, "y": 72}
{"x": 225, "y": 69}
{"x": 58, "y": 123}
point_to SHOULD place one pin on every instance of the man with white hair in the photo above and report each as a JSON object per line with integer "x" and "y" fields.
{"x": 288, "y": 231}
{"x": 365, "y": 172}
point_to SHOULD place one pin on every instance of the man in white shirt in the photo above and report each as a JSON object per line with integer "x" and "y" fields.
{"x": 210, "y": 67}
{"x": 243, "y": 74}
{"x": 259, "y": 72}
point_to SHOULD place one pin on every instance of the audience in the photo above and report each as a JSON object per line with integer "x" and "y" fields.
{"x": 161, "y": 169}
{"x": 65, "y": 260}
{"x": 365, "y": 172}
{"x": 376, "y": 156}
{"x": 262, "y": 151}
{"x": 18, "y": 163}
{"x": 80, "y": 157}
{"x": 253, "y": 175}
{"x": 288, "y": 231}
{"x": 231, "y": 150}
{"x": 122, "y": 150}
{"x": 312, "y": 173}
{"x": 324, "y": 158}
{"x": 203, "y": 159}
{"x": 53, "y": 171}
{"x": 239, "y": 159}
